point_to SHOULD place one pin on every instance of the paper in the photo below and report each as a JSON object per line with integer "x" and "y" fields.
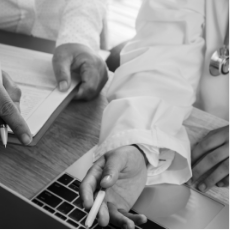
{"x": 33, "y": 73}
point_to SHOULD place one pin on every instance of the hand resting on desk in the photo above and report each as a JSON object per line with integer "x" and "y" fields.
{"x": 10, "y": 96}
{"x": 210, "y": 159}
{"x": 77, "y": 61}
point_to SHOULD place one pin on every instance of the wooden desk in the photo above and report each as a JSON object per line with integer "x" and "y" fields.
{"x": 28, "y": 169}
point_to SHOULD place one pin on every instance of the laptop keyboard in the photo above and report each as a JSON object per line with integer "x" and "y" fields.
{"x": 62, "y": 199}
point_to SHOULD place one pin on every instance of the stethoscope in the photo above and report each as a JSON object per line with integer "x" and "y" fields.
{"x": 219, "y": 63}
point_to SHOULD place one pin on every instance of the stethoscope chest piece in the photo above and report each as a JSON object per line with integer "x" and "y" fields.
{"x": 219, "y": 63}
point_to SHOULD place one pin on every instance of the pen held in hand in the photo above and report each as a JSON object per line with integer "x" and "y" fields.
{"x": 3, "y": 132}
{"x": 95, "y": 208}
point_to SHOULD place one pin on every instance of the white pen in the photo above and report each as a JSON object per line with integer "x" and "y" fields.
{"x": 95, "y": 208}
{"x": 3, "y": 125}
{"x": 4, "y": 132}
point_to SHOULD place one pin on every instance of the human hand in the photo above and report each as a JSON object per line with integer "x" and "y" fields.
{"x": 210, "y": 160}
{"x": 77, "y": 61}
{"x": 122, "y": 172}
{"x": 10, "y": 96}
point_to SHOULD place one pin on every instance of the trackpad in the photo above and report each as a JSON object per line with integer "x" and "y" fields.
{"x": 174, "y": 206}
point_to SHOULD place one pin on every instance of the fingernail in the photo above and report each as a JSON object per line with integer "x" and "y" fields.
{"x": 220, "y": 184}
{"x": 26, "y": 139}
{"x": 107, "y": 178}
{"x": 63, "y": 86}
{"x": 202, "y": 187}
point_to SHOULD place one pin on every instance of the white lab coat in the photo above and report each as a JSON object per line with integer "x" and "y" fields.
{"x": 153, "y": 91}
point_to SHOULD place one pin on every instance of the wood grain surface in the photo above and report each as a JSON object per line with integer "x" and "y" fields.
{"x": 28, "y": 169}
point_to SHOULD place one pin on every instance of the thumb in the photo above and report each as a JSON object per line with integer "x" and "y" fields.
{"x": 62, "y": 68}
{"x": 113, "y": 166}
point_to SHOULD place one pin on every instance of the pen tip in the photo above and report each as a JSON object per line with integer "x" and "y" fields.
{"x": 5, "y": 146}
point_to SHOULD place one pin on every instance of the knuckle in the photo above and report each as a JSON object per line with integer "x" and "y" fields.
{"x": 7, "y": 108}
{"x": 61, "y": 72}
{"x": 16, "y": 92}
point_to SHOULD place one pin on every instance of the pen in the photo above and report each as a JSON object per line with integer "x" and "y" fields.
{"x": 4, "y": 132}
{"x": 3, "y": 125}
{"x": 95, "y": 208}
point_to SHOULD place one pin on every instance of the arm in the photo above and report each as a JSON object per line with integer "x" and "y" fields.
{"x": 149, "y": 98}
{"x": 82, "y": 22}
{"x": 78, "y": 42}
{"x": 153, "y": 91}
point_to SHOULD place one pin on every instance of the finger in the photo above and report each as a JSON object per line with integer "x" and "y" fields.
{"x": 115, "y": 163}
{"x": 10, "y": 86}
{"x": 209, "y": 161}
{"x": 138, "y": 219}
{"x": 224, "y": 182}
{"x": 118, "y": 219}
{"x": 90, "y": 182}
{"x": 93, "y": 75}
{"x": 103, "y": 215}
{"x": 213, "y": 140}
{"x": 217, "y": 175}
{"x": 12, "y": 89}
{"x": 10, "y": 114}
{"x": 62, "y": 70}
{"x": 89, "y": 85}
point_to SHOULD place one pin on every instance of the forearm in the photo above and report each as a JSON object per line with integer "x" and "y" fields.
{"x": 82, "y": 22}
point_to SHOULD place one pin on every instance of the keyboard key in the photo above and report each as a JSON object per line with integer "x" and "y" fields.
{"x": 60, "y": 216}
{"x": 77, "y": 214}
{"x": 65, "y": 179}
{"x": 62, "y": 191}
{"x": 50, "y": 199}
{"x": 78, "y": 202}
{"x": 74, "y": 187}
{"x": 77, "y": 183}
{"x": 37, "y": 202}
{"x": 65, "y": 208}
{"x": 73, "y": 223}
{"x": 49, "y": 209}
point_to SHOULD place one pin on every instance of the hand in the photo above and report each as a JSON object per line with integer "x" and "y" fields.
{"x": 210, "y": 159}
{"x": 77, "y": 61}
{"x": 10, "y": 96}
{"x": 123, "y": 172}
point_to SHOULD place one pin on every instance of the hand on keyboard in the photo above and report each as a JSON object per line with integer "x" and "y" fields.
{"x": 123, "y": 172}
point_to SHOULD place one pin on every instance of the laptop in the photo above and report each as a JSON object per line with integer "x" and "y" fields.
{"x": 58, "y": 205}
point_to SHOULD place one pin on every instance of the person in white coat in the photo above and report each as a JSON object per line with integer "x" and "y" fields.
{"x": 75, "y": 25}
{"x": 142, "y": 139}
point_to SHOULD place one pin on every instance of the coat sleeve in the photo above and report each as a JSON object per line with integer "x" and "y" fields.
{"x": 82, "y": 22}
{"x": 153, "y": 90}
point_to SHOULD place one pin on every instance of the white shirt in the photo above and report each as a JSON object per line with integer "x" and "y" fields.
{"x": 68, "y": 21}
{"x": 153, "y": 91}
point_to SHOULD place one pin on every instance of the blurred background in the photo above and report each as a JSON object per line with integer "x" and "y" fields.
{"x": 121, "y": 20}
{"x": 119, "y": 28}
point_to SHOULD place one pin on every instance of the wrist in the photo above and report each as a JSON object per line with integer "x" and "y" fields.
{"x": 142, "y": 152}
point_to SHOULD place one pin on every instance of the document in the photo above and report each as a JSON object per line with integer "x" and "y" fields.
{"x": 33, "y": 73}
